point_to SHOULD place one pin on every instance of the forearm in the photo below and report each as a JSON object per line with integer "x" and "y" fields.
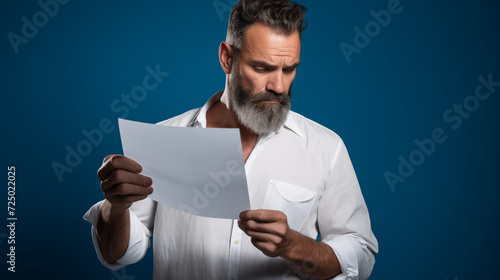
{"x": 312, "y": 257}
{"x": 113, "y": 232}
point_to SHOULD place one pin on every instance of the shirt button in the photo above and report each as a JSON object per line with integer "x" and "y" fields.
{"x": 236, "y": 241}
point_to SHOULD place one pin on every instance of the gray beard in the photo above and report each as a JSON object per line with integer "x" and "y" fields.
{"x": 264, "y": 118}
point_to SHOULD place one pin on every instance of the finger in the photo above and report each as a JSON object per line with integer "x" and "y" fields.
{"x": 110, "y": 156}
{"x": 127, "y": 189}
{"x": 115, "y": 162}
{"x": 125, "y": 199}
{"x": 263, "y": 215}
{"x": 122, "y": 176}
{"x": 277, "y": 228}
{"x": 267, "y": 248}
{"x": 264, "y": 236}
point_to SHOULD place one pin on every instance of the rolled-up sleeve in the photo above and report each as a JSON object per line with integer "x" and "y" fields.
{"x": 141, "y": 227}
{"x": 344, "y": 221}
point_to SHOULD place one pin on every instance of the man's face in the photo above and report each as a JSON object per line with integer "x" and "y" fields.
{"x": 261, "y": 79}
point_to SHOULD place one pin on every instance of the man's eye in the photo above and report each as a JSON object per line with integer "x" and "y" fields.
{"x": 260, "y": 69}
{"x": 289, "y": 70}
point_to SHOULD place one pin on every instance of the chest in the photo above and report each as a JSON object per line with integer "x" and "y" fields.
{"x": 247, "y": 149}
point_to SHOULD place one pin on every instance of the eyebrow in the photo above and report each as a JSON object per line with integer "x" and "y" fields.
{"x": 271, "y": 66}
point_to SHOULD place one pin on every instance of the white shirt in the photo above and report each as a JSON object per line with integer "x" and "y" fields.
{"x": 303, "y": 170}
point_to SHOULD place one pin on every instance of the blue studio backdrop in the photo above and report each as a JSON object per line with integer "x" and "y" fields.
{"x": 411, "y": 86}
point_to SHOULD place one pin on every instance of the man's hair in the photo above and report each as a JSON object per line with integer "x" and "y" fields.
{"x": 282, "y": 16}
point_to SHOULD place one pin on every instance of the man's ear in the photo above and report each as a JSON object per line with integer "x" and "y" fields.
{"x": 226, "y": 53}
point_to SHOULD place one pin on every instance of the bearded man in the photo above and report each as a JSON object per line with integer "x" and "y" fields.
{"x": 300, "y": 178}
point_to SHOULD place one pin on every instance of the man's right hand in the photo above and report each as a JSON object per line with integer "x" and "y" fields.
{"x": 121, "y": 182}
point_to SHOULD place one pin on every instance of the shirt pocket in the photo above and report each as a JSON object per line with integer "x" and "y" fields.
{"x": 295, "y": 201}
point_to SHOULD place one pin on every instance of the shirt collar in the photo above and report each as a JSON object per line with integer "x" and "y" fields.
{"x": 200, "y": 119}
{"x": 291, "y": 124}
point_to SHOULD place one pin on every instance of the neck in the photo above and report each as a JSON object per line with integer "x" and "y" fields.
{"x": 221, "y": 115}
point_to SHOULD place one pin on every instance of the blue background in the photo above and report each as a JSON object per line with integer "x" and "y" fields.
{"x": 440, "y": 223}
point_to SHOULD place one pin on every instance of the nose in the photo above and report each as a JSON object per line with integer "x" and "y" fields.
{"x": 275, "y": 82}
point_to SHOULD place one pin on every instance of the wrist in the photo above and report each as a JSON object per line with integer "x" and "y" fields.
{"x": 113, "y": 210}
{"x": 292, "y": 245}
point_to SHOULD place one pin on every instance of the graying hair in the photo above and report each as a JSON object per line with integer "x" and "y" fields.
{"x": 283, "y": 16}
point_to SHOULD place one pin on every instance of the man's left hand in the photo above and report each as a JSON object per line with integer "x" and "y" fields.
{"x": 270, "y": 233}
{"x": 268, "y": 230}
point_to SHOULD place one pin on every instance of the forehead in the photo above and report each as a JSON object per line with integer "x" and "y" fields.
{"x": 262, "y": 43}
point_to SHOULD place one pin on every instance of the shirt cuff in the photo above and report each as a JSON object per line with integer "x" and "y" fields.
{"x": 355, "y": 262}
{"x": 138, "y": 243}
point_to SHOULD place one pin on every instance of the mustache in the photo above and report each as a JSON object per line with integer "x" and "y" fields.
{"x": 282, "y": 98}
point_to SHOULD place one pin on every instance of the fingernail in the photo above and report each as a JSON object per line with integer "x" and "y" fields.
{"x": 138, "y": 168}
{"x": 150, "y": 190}
{"x": 149, "y": 181}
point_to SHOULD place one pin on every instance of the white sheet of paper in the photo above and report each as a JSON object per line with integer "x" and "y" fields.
{"x": 196, "y": 170}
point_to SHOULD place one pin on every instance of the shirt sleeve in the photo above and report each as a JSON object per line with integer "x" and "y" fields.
{"x": 141, "y": 228}
{"x": 344, "y": 221}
